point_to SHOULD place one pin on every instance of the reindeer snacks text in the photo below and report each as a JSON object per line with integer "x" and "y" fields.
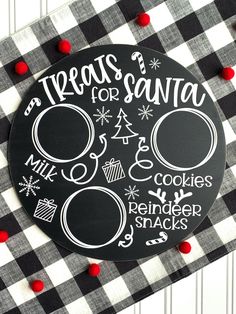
{"x": 169, "y": 212}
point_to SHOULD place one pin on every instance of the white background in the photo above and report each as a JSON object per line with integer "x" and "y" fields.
{"x": 210, "y": 290}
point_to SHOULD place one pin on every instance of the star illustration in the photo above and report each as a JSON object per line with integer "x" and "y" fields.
{"x": 102, "y": 115}
{"x": 155, "y": 64}
{"x": 145, "y": 112}
{"x": 29, "y": 186}
{"x": 131, "y": 192}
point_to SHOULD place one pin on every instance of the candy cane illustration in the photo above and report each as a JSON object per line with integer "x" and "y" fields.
{"x": 34, "y": 101}
{"x": 137, "y": 55}
{"x": 163, "y": 238}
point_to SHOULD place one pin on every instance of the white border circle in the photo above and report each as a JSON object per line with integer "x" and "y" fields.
{"x": 76, "y": 241}
{"x": 38, "y": 146}
{"x": 213, "y": 134}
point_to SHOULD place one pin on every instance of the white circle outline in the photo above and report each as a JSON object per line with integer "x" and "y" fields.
{"x": 38, "y": 146}
{"x": 76, "y": 241}
{"x": 210, "y": 125}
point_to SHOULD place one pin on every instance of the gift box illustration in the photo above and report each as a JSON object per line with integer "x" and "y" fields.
{"x": 45, "y": 209}
{"x": 113, "y": 170}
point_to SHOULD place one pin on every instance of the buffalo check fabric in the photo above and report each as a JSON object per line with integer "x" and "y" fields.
{"x": 199, "y": 34}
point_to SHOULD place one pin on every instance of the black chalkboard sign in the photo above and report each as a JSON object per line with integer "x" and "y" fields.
{"x": 117, "y": 152}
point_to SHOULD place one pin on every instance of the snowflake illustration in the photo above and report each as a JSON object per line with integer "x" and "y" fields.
{"x": 103, "y": 116}
{"x": 29, "y": 186}
{"x": 132, "y": 192}
{"x": 154, "y": 64}
{"x": 145, "y": 112}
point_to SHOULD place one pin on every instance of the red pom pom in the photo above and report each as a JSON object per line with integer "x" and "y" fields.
{"x": 3, "y": 236}
{"x": 227, "y": 73}
{"x": 185, "y": 247}
{"x": 94, "y": 270}
{"x": 143, "y": 19}
{"x": 37, "y": 285}
{"x": 64, "y": 46}
{"x": 21, "y": 68}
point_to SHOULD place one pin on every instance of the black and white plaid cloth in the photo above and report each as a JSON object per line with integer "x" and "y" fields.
{"x": 199, "y": 34}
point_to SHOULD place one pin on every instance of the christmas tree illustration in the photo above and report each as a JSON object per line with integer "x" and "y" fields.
{"x": 124, "y": 132}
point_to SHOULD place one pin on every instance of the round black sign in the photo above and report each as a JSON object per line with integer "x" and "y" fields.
{"x": 117, "y": 152}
